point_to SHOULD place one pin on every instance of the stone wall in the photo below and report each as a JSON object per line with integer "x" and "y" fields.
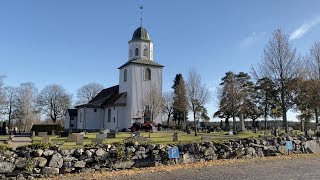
{"x": 34, "y": 162}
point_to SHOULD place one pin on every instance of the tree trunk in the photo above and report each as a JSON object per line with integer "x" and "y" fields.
{"x": 195, "y": 124}
{"x": 234, "y": 124}
{"x": 284, "y": 108}
{"x": 168, "y": 120}
{"x": 242, "y": 126}
{"x": 302, "y": 125}
{"x": 316, "y": 115}
{"x": 227, "y": 124}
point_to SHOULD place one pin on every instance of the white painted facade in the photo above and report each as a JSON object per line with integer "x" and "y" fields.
{"x": 133, "y": 86}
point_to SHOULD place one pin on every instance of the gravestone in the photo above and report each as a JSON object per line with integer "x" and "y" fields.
{"x": 33, "y": 133}
{"x": 53, "y": 133}
{"x": 71, "y": 138}
{"x": 101, "y": 136}
{"x": 79, "y": 139}
{"x": 111, "y": 135}
{"x": 46, "y": 139}
{"x": 64, "y": 134}
{"x": 97, "y": 141}
{"x": 41, "y": 134}
{"x": 231, "y": 133}
{"x": 206, "y": 138}
{"x": 175, "y": 136}
{"x": 290, "y": 129}
{"x": 105, "y": 131}
{"x": 136, "y": 133}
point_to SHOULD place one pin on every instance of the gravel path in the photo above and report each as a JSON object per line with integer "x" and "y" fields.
{"x": 20, "y": 141}
{"x": 307, "y": 168}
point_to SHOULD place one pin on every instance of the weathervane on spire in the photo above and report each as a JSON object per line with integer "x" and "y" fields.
{"x": 141, "y": 13}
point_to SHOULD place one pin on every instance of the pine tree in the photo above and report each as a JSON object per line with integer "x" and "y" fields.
{"x": 180, "y": 103}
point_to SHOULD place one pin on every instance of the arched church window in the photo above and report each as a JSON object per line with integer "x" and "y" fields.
{"x": 125, "y": 75}
{"x": 136, "y": 52}
{"x": 147, "y": 74}
{"x": 145, "y": 51}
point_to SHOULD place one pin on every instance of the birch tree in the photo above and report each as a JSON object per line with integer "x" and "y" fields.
{"x": 198, "y": 95}
{"x": 313, "y": 73}
{"x": 168, "y": 105}
{"x": 280, "y": 64}
{"x": 152, "y": 103}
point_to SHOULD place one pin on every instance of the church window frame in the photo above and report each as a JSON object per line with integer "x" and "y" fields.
{"x": 147, "y": 74}
{"x": 109, "y": 115}
{"x": 125, "y": 75}
{"x": 130, "y": 52}
{"x": 136, "y": 51}
{"x": 145, "y": 51}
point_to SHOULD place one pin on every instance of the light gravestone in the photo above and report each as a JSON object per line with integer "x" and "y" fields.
{"x": 41, "y": 134}
{"x": 105, "y": 131}
{"x": 53, "y": 133}
{"x": 79, "y": 139}
{"x": 71, "y": 138}
{"x": 101, "y": 136}
{"x": 46, "y": 139}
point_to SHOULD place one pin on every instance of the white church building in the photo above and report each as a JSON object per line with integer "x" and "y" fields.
{"x": 118, "y": 107}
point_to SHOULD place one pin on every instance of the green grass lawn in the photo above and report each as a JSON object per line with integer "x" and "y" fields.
{"x": 161, "y": 137}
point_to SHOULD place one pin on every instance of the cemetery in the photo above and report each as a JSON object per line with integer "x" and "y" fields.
{"x": 40, "y": 160}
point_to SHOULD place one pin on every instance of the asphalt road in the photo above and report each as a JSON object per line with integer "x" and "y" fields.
{"x": 284, "y": 169}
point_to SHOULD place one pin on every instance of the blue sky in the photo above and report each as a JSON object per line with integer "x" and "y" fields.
{"x": 75, "y": 42}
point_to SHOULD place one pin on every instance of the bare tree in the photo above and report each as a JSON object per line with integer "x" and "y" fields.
{"x": 10, "y": 105}
{"x": 25, "y": 112}
{"x": 313, "y": 72}
{"x": 2, "y": 95}
{"x": 54, "y": 101}
{"x": 152, "y": 103}
{"x": 197, "y": 93}
{"x": 280, "y": 64}
{"x": 87, "y": 92}
{"x": 168, "y": 105}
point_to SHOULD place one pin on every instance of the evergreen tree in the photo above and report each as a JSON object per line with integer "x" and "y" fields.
{"x": 180, "y": 103}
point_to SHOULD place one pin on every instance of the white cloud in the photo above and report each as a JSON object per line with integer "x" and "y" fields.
{"x": 251, "y": 39}
{"x": 304, "y": 28}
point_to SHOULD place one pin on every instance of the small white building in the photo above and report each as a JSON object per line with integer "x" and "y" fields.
{"x": 118, "y": 107}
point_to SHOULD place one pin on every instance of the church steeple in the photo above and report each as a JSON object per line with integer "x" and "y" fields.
{"x": 140, "y": 46}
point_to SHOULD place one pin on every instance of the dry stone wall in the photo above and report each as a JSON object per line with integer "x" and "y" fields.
{"x": 29, "y": 163}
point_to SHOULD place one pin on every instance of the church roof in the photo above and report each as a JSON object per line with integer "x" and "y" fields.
{"x": 141, "y": 62}
{"x": 141, "y": 34}
{"x": 72, "y": 112}
{"x": 107, "y": 97}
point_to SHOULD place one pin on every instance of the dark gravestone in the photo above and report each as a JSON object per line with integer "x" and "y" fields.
{"x": 64, "y": 134}
{"x": 111, "y": 135}
{"x": 175, "y": 136}
{"x": 4, "y": 128}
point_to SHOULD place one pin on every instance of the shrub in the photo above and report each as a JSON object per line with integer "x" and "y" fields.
{"x": 47, "y": 128}
{"x": 4, "y": 147}
{"x": 36, "y": 145}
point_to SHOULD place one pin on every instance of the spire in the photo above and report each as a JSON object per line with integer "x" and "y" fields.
{"x": 141, "y": 13}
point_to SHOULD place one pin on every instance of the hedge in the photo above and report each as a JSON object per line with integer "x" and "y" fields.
{"x": 47, "y": 128}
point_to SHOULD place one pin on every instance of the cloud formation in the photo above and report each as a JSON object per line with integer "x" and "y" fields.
{"x": 304, "y": 28}
{"x": 251, "y": 39}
